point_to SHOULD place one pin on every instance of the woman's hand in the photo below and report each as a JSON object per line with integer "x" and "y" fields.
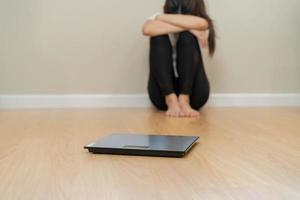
{"x": 201, "y": 36}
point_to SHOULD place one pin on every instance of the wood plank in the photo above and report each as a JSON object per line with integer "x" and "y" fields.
{"x": 243, "y": 153}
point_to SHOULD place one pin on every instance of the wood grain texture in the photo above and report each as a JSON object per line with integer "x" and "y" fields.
{"x": 243, "y": 153}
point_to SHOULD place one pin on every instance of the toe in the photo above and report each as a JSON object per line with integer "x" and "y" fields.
{"x": 181, "y": 114}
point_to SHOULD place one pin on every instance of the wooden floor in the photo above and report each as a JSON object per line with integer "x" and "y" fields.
{"x": 243, "y": 153}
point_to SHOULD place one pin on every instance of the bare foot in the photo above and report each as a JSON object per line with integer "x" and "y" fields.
{"x": 173, "y": 106}
{"x": 186, "y": 109}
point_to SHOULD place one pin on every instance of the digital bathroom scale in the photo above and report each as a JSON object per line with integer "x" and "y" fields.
{"x": 143, "y": 145}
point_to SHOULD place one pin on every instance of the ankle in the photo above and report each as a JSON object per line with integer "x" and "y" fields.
{"x": 184, "y": 99}
{"x": 171, "y": 99}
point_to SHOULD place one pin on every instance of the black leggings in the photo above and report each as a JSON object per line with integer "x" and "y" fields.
{"x": 192, "y": 78}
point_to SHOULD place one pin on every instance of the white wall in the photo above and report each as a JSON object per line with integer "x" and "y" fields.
{"x": 64, "y": 46}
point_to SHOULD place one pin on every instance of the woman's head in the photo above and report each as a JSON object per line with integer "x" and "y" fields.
{"x": 193, "y": 7}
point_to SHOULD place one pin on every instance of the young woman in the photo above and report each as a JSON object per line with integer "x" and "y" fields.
{"x": 177, "y": 81}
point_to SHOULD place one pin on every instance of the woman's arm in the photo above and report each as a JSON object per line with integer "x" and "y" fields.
{"x": 157, "y": 27}
{"x": 187, "y": 22}
{"x": 201, "y": 36}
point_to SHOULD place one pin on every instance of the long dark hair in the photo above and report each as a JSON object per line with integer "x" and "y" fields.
{"x": 197, "y": 8}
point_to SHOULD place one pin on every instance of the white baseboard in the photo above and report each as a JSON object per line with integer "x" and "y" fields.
{"x": 254, "y": 99}
{"x": 74, "y": 101}
{"x": 140, "y": 100}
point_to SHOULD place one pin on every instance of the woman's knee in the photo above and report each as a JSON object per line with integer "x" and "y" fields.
{"x": 159, "y": 40}
{"x": 160, "y": 45}
{"x": 187, "y": 37}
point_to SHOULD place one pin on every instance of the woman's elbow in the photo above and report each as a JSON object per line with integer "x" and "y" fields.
{"x": 146, "y": 31}
{"x": 203, "y": 24}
